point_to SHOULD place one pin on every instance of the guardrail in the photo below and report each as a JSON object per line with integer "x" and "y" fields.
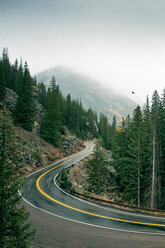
{"x": 113, "y": 204}
{"x": 116, "y": 205}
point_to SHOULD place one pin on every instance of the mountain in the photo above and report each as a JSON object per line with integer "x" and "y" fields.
{"x": 90, "y": 91}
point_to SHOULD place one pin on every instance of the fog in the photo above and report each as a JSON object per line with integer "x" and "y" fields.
{"x": 121, "y": 43}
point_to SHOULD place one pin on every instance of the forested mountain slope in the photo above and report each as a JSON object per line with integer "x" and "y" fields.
{"x": 137, "y": 143}
{"x": 90, "y": 92}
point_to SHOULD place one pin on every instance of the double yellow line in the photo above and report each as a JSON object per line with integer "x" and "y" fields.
{"x": 79, "y": 210}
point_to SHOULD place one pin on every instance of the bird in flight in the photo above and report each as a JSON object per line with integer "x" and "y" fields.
{"x": 133, "y": 92}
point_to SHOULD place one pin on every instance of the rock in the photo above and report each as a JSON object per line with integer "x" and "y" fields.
{"x": 10, "y": 100}
{"x": 38, "y": 118}
{"x": 70, "y": 142}
{"x": 36, "y": 91}
{"x": 38, "y": 152}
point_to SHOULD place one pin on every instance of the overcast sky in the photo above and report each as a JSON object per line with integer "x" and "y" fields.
{"x": 119, "y": 42}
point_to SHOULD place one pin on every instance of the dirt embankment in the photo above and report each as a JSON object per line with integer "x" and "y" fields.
{"x": 38, "y": 153}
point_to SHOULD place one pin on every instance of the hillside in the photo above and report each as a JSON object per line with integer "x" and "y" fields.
{"x": 90, "y": 92}
{"x": 36, "y": 151}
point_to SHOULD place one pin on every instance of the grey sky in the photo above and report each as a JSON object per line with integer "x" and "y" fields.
{"x": 119, "y": 42}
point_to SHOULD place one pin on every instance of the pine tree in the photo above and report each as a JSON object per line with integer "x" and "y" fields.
{"x": 146, "y": 169}
{"x": 35, "y": 81}
{"x": 15, "y": 77}
{"x": 25, "y": 107}
{"x": 134, "y": 159}
{"x": 113, "y": 132}
{"x": 155, "y": 161}
{"x": 13, "y": 218}
{"x": 104, "y": 130}
{"x": 51, "y": 122}
{"x": 161, "y": 142}
{"x": 119, "y": 152}
{"x": 97, "y": 171}
{"x": 2, "y": 83}
{"x": 42, "y": 93}
{"x": 91, "y": 122}
{"x": 6, "y": 67}
{"x": 68, "y": 112}
{"x": 163, "y": 98}
{"x": 20, "y": 77}
{"x": 128, "y": 122}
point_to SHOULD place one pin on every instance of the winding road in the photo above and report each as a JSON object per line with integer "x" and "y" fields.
{"x": 66, "y": 221}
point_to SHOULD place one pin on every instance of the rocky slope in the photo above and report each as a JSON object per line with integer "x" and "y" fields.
{"x": 36, "y": 151}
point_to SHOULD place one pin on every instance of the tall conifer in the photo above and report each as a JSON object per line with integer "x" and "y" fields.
{"x": 155, "y": 146}
{"x": 14, "y": 229}
{"x": 104, "y": 130}
{"x": 2, "y": 83}
{"x": 146, "y": 170}
{"x": 51, "y": 122}
{"x": 130, "y": 179}
{"x": 6, "y": 67}
{"x": 97, "y": 171}
{"x": 25, "y": 107}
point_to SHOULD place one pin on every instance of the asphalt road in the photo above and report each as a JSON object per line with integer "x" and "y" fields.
{"x": 65, "y": 221}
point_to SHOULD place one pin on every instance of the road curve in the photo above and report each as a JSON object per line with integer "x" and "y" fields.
{"x": 41, "y": 192}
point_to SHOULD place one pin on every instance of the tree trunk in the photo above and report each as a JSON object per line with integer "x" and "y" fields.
{"x": 99, "y": 179}
{"x": 153, "y": 171}
{"x": 138, "y": 172}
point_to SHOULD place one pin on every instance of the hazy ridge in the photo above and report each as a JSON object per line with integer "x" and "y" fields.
{"x": 90, "y": 91}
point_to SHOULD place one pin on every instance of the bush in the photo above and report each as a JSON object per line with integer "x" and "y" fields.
{"x": 65, "y": 183}
{"x": 37, "y": 157}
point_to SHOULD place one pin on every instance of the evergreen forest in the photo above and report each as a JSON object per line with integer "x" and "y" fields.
{"x": 138, "y": 150}
{"x": 137, "y": 143}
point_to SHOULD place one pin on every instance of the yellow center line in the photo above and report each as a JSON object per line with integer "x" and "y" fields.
{"x": 82, "y": 211}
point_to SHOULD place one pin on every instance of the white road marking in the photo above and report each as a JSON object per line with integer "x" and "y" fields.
{"x": 85, "y": 223}
{"x": 115, "y": 229}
